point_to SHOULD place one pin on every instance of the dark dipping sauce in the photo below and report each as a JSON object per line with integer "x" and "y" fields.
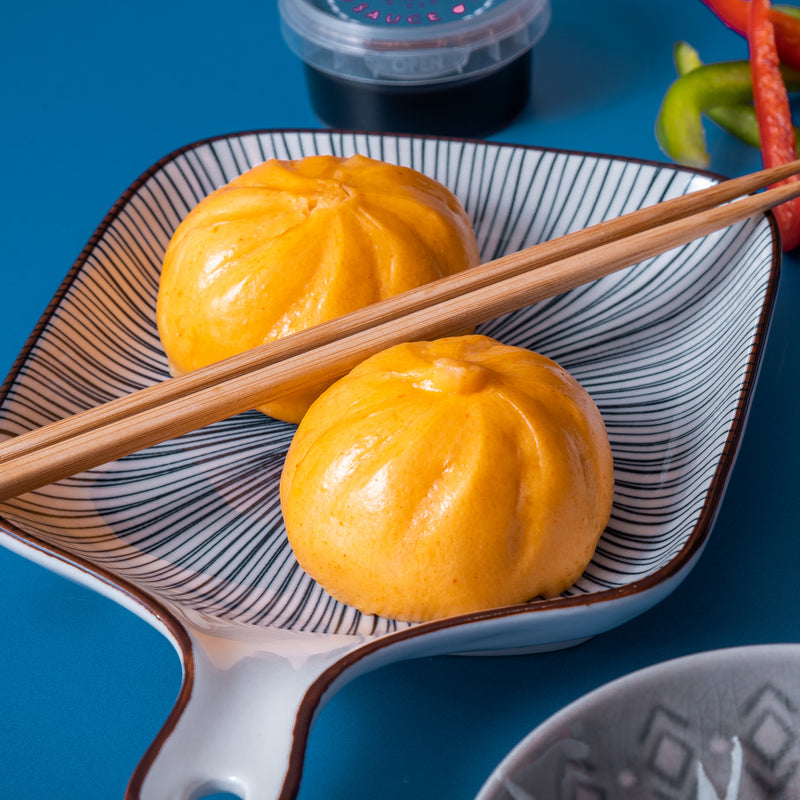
{"x": 451, "y": 68}
{"x": 472, "y": 107}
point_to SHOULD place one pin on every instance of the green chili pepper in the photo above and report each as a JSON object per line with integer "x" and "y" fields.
{"x": 705, "y": 89}
{"x": 740, "y": 121}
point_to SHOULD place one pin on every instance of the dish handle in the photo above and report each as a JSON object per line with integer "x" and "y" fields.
{"x": 235, "y": 730}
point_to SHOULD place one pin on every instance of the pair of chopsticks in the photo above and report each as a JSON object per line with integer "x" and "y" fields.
{"x": 443, "y": 308}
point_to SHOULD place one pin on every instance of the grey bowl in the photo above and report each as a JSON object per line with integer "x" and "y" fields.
{"x": 722, "y": 725}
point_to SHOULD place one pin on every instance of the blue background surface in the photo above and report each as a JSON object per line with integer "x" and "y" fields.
{"x": 91, "y": 95}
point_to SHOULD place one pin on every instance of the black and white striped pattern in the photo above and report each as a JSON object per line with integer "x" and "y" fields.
{"x": 667, "y": 349}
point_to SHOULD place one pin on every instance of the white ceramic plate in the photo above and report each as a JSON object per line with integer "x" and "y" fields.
{"x": 189, "y": 533}
{"x": 722, "y": 725}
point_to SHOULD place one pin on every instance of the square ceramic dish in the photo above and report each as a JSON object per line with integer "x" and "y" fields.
{"x": 189, "y": 533}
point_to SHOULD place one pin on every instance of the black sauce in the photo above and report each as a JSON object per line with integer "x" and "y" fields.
{"x": 469, "y": 108}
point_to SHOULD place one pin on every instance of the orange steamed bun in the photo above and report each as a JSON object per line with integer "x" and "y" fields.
{"x": 444, "y": 477}
{"x": 290, "y": 244}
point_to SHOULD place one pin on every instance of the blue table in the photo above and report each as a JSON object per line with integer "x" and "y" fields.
{"x": 93, "y": 94}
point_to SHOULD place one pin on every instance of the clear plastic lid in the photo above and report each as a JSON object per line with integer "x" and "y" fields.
{"x": 411, "y": 42}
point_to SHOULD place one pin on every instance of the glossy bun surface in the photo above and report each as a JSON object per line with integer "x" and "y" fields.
{"x": 290, "y": 244}
{"x": 444, "y": 477}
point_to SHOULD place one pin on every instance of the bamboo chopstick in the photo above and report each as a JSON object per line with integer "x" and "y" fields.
{"x": 327, "y": 351}
{"x": 414, "y": 300}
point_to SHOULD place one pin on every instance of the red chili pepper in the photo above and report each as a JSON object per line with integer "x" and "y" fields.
{"x": 734, "y": 13}
{"x": 778, "y": 145}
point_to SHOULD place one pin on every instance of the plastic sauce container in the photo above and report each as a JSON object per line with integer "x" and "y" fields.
{"x": 440, "y": 67}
